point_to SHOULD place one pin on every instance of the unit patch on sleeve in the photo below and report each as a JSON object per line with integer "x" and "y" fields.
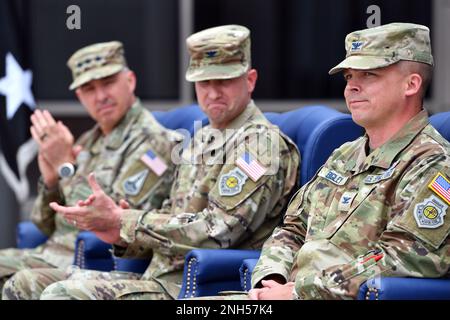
{"x": 133, "y": 185}
{"x": 231, "y": 183}
{"x": 430, "y": 213}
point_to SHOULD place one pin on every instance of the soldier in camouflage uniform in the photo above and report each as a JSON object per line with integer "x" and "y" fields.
{"x": 124, "y": 132}
{"x": 231, "y": 185}
{"x": 378, "y": 206}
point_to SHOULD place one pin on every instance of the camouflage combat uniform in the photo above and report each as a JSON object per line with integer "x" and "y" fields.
{"x": 115, "y": 159}
{"x": 213, "y": 204}
{"x": 365, "y": 215}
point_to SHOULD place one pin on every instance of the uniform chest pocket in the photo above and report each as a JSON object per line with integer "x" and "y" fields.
{"x": 322, "y": 204}
{"x": 345, "y": 224}
{"x": 332, "y": 205}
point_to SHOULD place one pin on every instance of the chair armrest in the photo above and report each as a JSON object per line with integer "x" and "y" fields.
{"x": 385, "y": 288}
{"x": 92, "y": 253}
{"x": 209, "y": 271}
{"x": 245, "y": 272}
{"x": 29, "y": 236}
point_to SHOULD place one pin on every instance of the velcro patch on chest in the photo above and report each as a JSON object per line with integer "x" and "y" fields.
{"x": 333, "y": 176}
{"x": 375, "y": 178}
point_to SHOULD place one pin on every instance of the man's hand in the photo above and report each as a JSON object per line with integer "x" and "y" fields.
{"x": 54, "y": 139}
{"x": 272, "y": 290}
{"x": 98, "y": 213}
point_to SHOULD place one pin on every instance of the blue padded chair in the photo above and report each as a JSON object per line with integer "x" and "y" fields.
{"x": 206, "y": 279}
{"x": 182, "y": 118}
{"x": 245, "y": 272}
{"x": 92, "y": 253}
{"x": 317, "y": 131}
{"x": 386, "y": 288}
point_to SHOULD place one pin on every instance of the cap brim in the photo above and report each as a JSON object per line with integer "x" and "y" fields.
{"x": 362, "y": 63}
{"x": 212, "y": 72}
{"x": 96, "y": 73}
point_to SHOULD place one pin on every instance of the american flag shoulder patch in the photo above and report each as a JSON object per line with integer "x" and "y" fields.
{"x": 248, "y": 163}
{"x": 441, "y": 186}
{"x": 154, "y": 162}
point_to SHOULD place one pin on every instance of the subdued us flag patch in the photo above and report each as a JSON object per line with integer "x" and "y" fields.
{"x": 154, "y": 162}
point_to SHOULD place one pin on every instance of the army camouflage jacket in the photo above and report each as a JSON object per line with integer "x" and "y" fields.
{"x": 116, "y": 161}
{"x": 363, "y": 216}
{"x": 214, "y": 203}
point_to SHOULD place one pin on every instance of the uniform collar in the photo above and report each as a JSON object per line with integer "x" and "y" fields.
{"x": 250, "y": 112}
{"x": 384, "y": 155}
{"x": 205, "y": 141}
{"x": 116, "y": 137}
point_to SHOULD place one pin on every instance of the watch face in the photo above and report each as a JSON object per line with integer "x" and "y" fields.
{"x": 66, "y": 170}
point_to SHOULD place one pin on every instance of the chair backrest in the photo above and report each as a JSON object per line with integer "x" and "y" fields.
{"x": 181, "y": 118}
{"x": 317, "y": 131}
{"x": 441, "y": 122}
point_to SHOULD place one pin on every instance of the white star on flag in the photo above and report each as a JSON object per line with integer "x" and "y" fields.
{"x": 16, "y": 86}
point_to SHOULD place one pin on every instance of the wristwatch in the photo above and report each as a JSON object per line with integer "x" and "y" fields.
{"x": 66, "y": 170}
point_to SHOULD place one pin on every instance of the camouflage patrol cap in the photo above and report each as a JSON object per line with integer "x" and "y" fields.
{"x": 385, "y": 45}
{"x": 96, "y": 61}
{"x": 219, "y": 53}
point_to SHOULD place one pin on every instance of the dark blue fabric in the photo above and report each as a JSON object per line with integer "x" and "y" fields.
{"x": 441, "y": 121}
{"x": 29, "y": 236}
{"x": 131, "y": 265}
{"x": 405, "y": 289}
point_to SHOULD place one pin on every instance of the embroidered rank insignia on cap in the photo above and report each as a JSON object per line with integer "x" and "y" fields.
{"x": 231, "y": 183}
{"x": 441, "y": 186}
{"x": 251, "y": 166}
{"x": 356, "y": 46}
{"x": 153, "y": 162}
{"x": 430, "y": 213}
{"x": 133, "y": 185}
